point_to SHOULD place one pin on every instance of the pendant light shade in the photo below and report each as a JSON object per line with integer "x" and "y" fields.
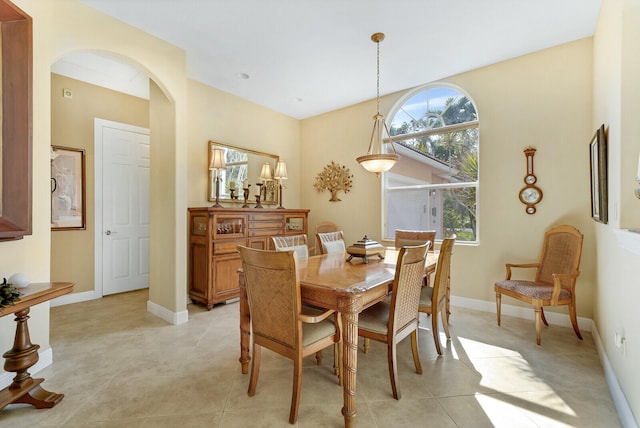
{"x": 376, "y": 160}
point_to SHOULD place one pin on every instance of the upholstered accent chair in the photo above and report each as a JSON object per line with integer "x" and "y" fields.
{"x": 331, "y": 242}
{"x": 392, "y": 322}
{"x": 433, "y": 300}
{"x": 555, "y": 277}
{"x": 298, "y": 243}
{"x": 277, "y": 320}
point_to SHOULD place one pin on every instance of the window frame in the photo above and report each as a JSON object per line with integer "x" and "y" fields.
{"x": 474, "y": 124}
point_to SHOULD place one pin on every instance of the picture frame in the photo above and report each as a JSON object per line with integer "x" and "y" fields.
{"x": 68, "y": 193}
{"x": 599, "y": 182}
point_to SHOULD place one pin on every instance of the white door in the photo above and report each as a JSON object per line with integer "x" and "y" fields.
{"x": 123, "y": 228}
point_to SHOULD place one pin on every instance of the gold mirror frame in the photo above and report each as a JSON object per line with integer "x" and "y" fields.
{"x": 241, "y": 170}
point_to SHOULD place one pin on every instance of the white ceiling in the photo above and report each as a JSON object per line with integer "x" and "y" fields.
{"x": 306, "y": 57}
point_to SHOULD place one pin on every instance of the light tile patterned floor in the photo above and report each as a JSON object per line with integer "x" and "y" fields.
{"x": 120, "y": 366}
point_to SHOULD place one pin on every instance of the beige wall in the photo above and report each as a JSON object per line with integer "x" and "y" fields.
{"x": 218, "y": 116}
{"x": 64, "y": 27}
{"x": 72, "y": 122}
{"x": 541, "y": 100}
{"x": 616, "y": 90}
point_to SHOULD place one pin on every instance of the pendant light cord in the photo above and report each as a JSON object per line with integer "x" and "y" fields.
{"x": 378, "y": 78}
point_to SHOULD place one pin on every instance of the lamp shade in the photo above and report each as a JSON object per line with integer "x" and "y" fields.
{"x": 265, "y": 174}
{"x": 378, "y": 163}
{"x": 217, "y": 160}
{"x": 281, "y": 171}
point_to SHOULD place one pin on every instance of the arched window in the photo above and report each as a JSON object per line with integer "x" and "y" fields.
{"x": 433, "y": 186}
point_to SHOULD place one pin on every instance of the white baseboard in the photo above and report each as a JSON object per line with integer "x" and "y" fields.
{"x": 75, "y": 298}
{"x": 45, "y": 358}
{"x": 174, "y": 318}
{"x": 622, "y": 405}
{"x": 520, "y": 312}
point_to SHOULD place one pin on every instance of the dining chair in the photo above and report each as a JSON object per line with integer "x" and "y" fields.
{"x": 277, "y": 320}
{"x": 556, "y": 273}
{"x": 323, "y": 227}
{"x": 416, "y": 237}
{"x": 298, "y": 243}
{"x": 433, "y": 300}
{"x": 391, "y": 322}
{"x": 331, "y": 242}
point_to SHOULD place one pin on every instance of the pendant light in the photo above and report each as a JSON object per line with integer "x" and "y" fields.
{"x": 376, "y": 160}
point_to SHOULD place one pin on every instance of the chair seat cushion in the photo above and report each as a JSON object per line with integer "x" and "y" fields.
{"x": 311, "y": 333}
{"x": 375, "y": 318}
{"x": 534, "y": 290}
{"x": 426, "y": 294}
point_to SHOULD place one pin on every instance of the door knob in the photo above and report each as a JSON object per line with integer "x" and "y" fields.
{"x": 108, "y": 232}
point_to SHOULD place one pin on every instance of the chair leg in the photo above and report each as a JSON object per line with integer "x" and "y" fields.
{"x": 498, "y": 305}
{"x": 366, "y": 345}
{"x": 544, "y": 319}
{"x": 538, "y": 324}
{"x": 414, "y": 350}
{"x": 319, "y": 358}
{"x": 574, "y": 320}
{"x": 393, "y": 369}
{"x": 255, "y": 369}
{"x": 435, "y": 332}
{"x": 297, "y": 384}
{"x": 445, "y": 324}
{"x": 448, "y": 294}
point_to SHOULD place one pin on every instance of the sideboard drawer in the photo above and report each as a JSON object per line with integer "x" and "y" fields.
{"x": 266, "y": 217}
{"x": 224, "y": 247}
{"x": 264, "y": 232}
{"x": 278, "y": 225}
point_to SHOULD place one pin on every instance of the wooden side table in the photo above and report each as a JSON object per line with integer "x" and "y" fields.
{"x": 24, "y": 354}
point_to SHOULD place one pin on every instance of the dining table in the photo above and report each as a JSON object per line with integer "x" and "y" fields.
{"x": 348, "y": 287}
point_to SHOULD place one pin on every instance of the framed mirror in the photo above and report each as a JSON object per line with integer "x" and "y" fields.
{"x": 242, "y": 167}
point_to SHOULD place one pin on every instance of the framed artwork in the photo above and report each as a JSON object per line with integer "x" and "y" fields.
{"x": 598, "y": 158}
{"x": 68, "y": 209}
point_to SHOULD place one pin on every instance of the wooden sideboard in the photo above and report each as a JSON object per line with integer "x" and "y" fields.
{"x": 215, "y": 233}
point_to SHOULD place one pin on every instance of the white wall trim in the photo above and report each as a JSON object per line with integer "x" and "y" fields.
{"x": 45, "y": 358}
{"x": 75, "y": 298}
{"x": 174, "y": 318}
{"x": 622, "y": 405}
{"x": 554, "y": 318}
{"x": 628, "y": 240}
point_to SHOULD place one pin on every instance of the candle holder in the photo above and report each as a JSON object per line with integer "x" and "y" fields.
{"x": 259, "y": 195}
{"x": 246, "y": 196}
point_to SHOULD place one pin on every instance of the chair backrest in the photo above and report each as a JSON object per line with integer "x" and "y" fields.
{"x": 298, "y": 243}
{"x": 331, "y": 242}
{"x": 324, "y": 227}
{"x": 561, "y": 251}
{"x": 407, "y": 283}
{"x": 273, "y": 292}
{"x": 443, "y": 272}
{"x": 404, "y": 238}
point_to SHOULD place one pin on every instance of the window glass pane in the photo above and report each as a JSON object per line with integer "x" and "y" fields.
{"x": 433, "y": 184}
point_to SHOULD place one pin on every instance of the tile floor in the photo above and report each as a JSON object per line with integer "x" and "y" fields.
{"x": 120, "y": 366}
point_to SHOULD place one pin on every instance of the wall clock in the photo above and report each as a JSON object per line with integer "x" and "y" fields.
{"x": 530, "y": 194}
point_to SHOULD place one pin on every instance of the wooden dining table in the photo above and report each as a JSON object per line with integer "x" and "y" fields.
{"x": 329, "y": 281}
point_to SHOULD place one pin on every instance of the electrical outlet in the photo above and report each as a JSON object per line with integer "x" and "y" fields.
{"x": 67, "y": 93}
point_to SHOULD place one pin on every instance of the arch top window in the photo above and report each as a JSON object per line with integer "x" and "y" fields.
{"x": 433, "y": 186}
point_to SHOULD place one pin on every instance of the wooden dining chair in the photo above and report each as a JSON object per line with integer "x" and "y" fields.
{"x": 404, "y": 238}
{"x": 433, "y": 300}
{"x": 416, "y": 237}
{"x": 277, "y": 320}
{"x": 331, "y": 242}
{"x": 298, "y": 243}
{"x": 392, "y": 322}
{"x": 323, "y": 227}
{"x": 554, "y": 284}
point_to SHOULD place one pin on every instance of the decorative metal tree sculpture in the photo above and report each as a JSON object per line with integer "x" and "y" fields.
{"x": 333, "y": 178}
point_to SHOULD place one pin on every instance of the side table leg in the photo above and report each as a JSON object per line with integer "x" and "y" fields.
{"x": 245, "y": 325}
{"x": 23, "y": 355}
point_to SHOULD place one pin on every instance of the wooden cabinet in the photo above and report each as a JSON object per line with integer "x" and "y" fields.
{"x": 215, "y": 233}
